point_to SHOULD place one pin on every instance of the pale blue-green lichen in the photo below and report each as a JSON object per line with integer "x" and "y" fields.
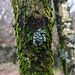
{"x": 39, "y": 37}
{"x": 64, "y": 55}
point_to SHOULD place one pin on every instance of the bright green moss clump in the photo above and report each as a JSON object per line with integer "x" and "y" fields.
{"x": 35, "y": 52}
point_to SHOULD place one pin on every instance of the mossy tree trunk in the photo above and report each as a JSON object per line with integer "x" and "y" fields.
{"x": 33, "y": 32}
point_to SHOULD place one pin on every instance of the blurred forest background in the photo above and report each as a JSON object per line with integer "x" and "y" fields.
{"x": 63, "y": 38}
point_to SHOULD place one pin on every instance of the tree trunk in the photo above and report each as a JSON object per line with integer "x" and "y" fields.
{"x": 66, "y": 32}
{"x": 33, "y": 32}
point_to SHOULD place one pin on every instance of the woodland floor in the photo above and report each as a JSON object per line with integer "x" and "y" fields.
{"x": 11, "y": 69}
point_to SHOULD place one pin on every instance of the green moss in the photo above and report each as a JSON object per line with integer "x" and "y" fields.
{"x": 29, "y": 17}
{"x": 14, "y": 57}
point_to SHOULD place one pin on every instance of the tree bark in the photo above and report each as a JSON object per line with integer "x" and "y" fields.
{"x": 66, "y": 38}
{"x": 33, "y": 32}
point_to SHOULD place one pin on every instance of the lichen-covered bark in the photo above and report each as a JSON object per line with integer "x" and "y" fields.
{"x": 33, "y": 31}
{"x": 59, "y": 29}
{"x": 67, "y": 33}
{"x": 67, "y": 47}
